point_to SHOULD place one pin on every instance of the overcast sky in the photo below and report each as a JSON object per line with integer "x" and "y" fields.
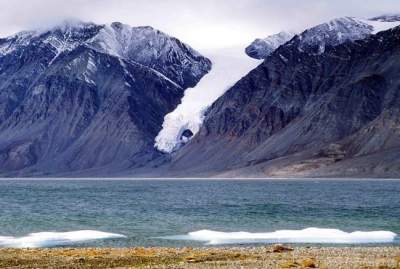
{"x": 201, "y": 23}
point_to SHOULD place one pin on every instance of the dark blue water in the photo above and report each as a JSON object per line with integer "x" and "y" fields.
{"x": 144, "y": 210}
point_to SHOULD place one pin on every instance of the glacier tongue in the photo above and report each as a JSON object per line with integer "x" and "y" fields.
{"x": 229, "y": 66}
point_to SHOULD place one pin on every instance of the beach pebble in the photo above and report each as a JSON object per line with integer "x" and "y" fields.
{"x": 281, "y": 248}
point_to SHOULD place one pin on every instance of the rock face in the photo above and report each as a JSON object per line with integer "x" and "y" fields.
{"x": 261, "y": 48}
{"x": 82, "y": 96}
{"x": 301, "y": 113}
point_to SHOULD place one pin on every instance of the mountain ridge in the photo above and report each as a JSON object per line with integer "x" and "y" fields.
{"x": 331, "y": 33}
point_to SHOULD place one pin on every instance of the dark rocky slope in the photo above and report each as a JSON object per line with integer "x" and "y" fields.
{"x": 305, "y": 114}
{"x": 71, "y": 99}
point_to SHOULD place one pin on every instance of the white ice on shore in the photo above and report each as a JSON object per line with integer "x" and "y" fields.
{"x": 51, "y": 239}
{"x": 309, "y": 235}
{"x": 229, "y": 66}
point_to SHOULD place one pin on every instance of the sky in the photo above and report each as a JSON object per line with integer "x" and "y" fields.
{"x": 204, "y": 24}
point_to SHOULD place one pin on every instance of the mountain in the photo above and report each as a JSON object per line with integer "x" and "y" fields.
{"x": 332, "y": 33}
{"x": 82, "y": 96}
{"x": 188, "y": 117}
{"x": 301, "y": 113}
{"x": 82, "y": 99}
{"x": 261, "y": 48}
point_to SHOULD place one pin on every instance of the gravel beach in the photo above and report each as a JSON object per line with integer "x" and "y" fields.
{"x": 277, "y": 256}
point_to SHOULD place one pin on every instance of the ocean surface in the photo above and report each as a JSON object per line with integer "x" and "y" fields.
{"x": 123, "y": 213}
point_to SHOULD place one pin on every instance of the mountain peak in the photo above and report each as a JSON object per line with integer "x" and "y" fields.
{"x": 261, "y": 48}
{"x": 331, "y": 33}
{"x": 142, "y": 45}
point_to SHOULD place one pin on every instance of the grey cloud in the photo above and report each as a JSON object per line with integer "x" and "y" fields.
{"x": 239, "y": 20}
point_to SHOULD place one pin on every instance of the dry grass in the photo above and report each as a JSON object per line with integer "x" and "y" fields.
{"x": 203, "y": 258}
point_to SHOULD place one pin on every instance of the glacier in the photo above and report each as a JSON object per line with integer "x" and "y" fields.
{"x": 228, "y": 66}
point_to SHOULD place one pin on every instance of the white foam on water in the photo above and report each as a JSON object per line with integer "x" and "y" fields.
{"x": 309, "y": 235}
{"x": 51, "y": 239}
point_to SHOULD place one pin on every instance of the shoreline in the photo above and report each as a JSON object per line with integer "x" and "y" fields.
{"x": 197, "y": 179}
{"x": 271, "y": 256}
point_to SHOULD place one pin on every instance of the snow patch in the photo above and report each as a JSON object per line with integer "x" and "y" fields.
{"x": 380, "y": 26}
{"x": 229, "y": 66}
{"x": 309, "y": 235}
{"x": 39, "y": 89}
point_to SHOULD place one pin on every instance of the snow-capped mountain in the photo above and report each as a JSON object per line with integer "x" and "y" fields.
{"x": 261, "y": 48}
{"x": 154, "y": 49}
{"x": 86, "y": 96}
{"x": 306, "y": 115}
{"x": 143, "y": 45}
{"x": 333, "y": 33}
{"x": 190, "y": 113}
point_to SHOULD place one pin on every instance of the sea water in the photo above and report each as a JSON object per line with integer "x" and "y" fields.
{"x": 123, "y": 213}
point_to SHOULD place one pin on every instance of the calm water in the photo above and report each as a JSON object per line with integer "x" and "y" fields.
{"x": 145, "y": 210}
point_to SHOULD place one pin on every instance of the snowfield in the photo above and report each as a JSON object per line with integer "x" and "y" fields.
{"x": 229, "y": 66}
